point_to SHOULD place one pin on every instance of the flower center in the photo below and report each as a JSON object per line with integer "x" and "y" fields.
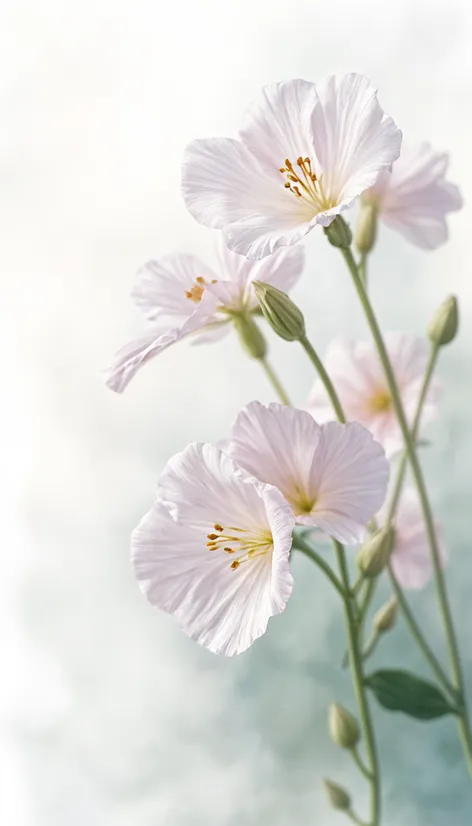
{"x": 238, "y": 541}
{"x": 304, "y": 184}
{"x": 380, "y": 401}
{"x": 197, "y": 289}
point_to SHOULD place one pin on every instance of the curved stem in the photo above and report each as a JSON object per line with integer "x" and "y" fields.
{"x": 299, "y": 544}
{"x": 363, "y": 269}
{"x": 271, "y": 375}
{"x": 360, "y": 763}
{"x": 360, "y": 690}
{"x": 329, "y": 386}
{"x": 370, "y": 645}
{"x": 416, "y": 633}
{"x": 456, "y": 667}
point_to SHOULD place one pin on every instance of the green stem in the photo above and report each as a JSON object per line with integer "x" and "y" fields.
{"x": 360, "y": 763}
{"x": 355, "y": 659}
{"x": 354, "y": 818}
{"x": 456, "y": 668}
{"x": 299, "y": 544}
{"x": 370, "y": 645}
{"x": 271, "y": 375}
{"x": 418, "y": 636}
{"x": 363, "y": 269}
{"x": 316, "y": 361}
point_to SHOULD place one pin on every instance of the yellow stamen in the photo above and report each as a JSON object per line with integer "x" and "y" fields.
{"x": 380, "y": 401}
{"x": 197, "y": 289}
{"x": 305, "y": 184}
{"x": 246, "y": 544}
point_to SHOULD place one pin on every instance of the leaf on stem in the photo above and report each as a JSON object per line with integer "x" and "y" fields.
{"x": 401, "y": 691}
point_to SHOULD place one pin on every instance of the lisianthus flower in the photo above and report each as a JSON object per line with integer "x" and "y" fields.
{"x": 415, "y": 197}
{"x": 334, "y": 476}
{"x": 191, "y": 298}
{"x": 306, "y": 151}
{"x": 214, "y": 550}
{"x": 411, "y": 558}
{"x": 357, "y": 374}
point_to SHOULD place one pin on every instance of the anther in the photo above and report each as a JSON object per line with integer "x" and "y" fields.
{"x": 234, "y": 565}
{"x": 287, "y": 185}
{"x": 229, "y": 550}
{"x": 217, "y": 527}
{"x": 212, "y": 536}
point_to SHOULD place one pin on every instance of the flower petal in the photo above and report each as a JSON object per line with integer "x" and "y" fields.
{"x": 351, "y": 475}
{"x": 354, "y": 139}
{"x": 161, "y": 285}
{"x": 138, "y": 352}
{"x": 282, "y": 269}
{"x": 415, "y": 198}
{"x": 223, "y": 609}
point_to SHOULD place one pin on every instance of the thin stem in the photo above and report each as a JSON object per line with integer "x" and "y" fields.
{"x": 456, "y": 667}
{"x": 363, "y": 269}
{"x": 360, "y": 763}
{"x": 271, "y": 375}
{"x": 354, "y": 818}
{"x": 367, "y": 596}
{"x": 299, "y": 544}
{"x": 316, "y": 361}
{"x": 370, "y": 645}
{"x": 360, "y": 690}
{"x": 418, "y": 636}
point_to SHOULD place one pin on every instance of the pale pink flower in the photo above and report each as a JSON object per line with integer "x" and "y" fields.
{"x": 190, "y": 298}
{"x": 305, "y": 153}
{"x": 334, "y": 476}
{"x": 214, "y": 550}
{"x": 415, "y": 197}
{"x": 357, "y": 374}
{"x": 411, "y": 557}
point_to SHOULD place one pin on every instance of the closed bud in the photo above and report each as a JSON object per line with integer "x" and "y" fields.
{"x": 386, "y": 616}
{"x": 337, "y": 796}
{"x": 443, "y": 327}
{"x": 339, "y": 233}
{"x": 279, "y": 310}
{"x": 343, "y": 727}
{"x": 366, "y": 228}
{"x": 251, "y": 337}
{"x": 374, "y": 555}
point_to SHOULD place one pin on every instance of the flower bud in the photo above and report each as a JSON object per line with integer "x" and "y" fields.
{"x": 375, "y": 554}
{"x": 386, "y": 616}
{"x": 251, "y": 337}
{"x": 337, "y": 796}
{"x": 443, "y": 327}
{"x": 339, "y": 233}
{"x": 279, "y": 310}
{"x": 366, "y": 228}
{"x": 343, "y": 727}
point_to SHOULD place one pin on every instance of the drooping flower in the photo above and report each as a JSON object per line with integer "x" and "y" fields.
{"x": 415, "y": 197}
{"x": 190, "y": 298}
{"x": 306, "y": 151}
{"x": 334, "y": 476}
{"x": 411, "y": 558}
{"x": 357, "y": 374}
{"x": 214, "y": 550}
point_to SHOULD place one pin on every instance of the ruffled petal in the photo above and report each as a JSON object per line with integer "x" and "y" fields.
{"x": 282, "y": 269}
{"x": 354, "y": 139}
{"x": 161, "y": 285}
{"x": 350, "y": 473}
{"x": 138, "y": 352}
{"x": 222, "y": 608}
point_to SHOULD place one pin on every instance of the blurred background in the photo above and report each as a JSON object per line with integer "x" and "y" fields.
{"x": 109, "y": 715}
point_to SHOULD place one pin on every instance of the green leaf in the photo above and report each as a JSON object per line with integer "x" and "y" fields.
{"x": 402, "y": 691}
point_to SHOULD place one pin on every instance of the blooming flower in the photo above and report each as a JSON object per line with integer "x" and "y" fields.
{"x": 334, "y": 476}
{"x": 415, "y": 197}
{"x": 214, "y": 550}
{"x": 357, "y": 374}
{"x": 305, "y": 153}
{"x": 411, "y": 558}
{"x": 192, "y": 299}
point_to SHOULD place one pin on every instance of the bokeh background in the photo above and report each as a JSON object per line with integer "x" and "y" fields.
{"x": 109, "y": 715}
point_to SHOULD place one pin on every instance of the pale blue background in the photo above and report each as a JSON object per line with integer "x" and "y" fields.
{"x": 111, "y": 717}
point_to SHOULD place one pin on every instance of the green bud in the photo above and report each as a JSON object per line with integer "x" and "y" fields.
{"x": 279, "y": 310}
{"x": 251, "y": 337}
{"x": 339, "y": 233}
{"x": 337, "y": 796}
{"x": 374, "y": 555}
{"x": 386, "y": 616}
{"x": 366, "y": 228}
{"x": 343, "y": 727}
{"x": 443, "y": 327}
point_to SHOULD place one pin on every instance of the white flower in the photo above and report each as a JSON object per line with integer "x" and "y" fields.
{"x": 411, "y": 557}
{"x": 305, "y": 153}
{"x": 415, "y": 196}
{"x": 191, "y": 298}
{"x": 357, "y": 374}
{"x": 334, "y": 477}
{"x": 214, "y": 550}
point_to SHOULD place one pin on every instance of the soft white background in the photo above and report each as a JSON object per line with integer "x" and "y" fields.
{"x": 109, "y": 716}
